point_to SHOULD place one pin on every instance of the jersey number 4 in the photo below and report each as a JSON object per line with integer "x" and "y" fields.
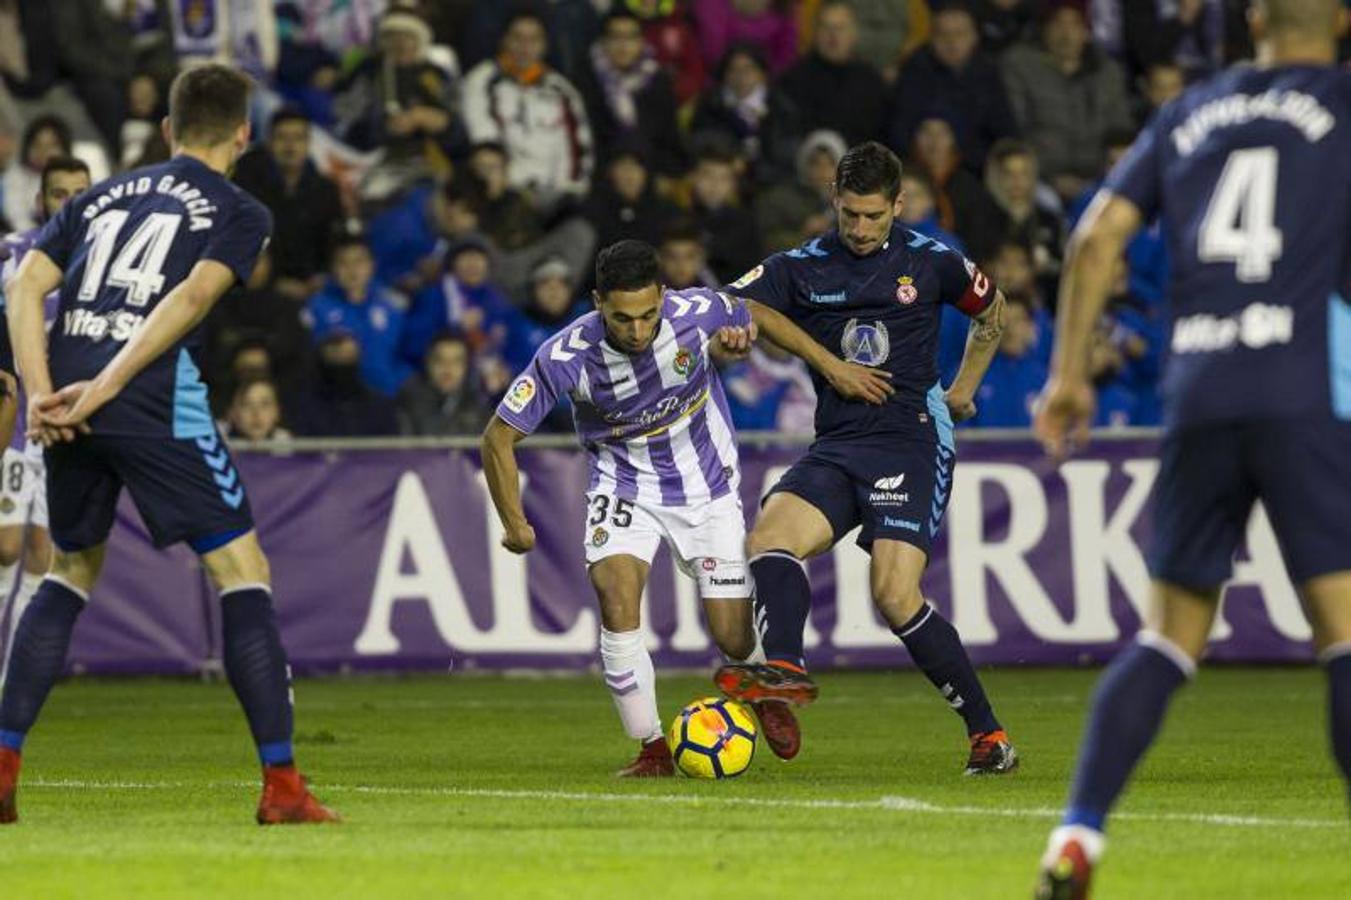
{"x": 1240, "y": 223}
{"x": 138, "y": 264}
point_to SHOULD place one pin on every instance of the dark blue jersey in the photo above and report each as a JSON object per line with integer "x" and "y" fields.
{"x": 123, "y": 245}
{"x": 1251, "y": 172}
{"x": 879, "y": 310}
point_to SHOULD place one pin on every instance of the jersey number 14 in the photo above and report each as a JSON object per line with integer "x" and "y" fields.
{"x": 138, "y": 264}
{"x": 1240, "y": 223}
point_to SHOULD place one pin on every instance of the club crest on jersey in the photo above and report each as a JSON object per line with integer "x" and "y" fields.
{"x": 521, "y": 393}
{"x": 683, "y": 363}
{"x": 749, "y": 278}
{"x": 599, "y": 537}
{"x": 709, "y": 564}
{"x": 906, "y": 292}
{"x": 866, "y": 344}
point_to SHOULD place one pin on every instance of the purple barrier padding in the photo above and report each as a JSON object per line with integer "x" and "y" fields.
{"x": 391, "y": 560}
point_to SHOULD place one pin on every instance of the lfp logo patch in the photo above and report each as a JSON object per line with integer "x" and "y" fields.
{"x": 906, "y": 292}
{"x": 521, "y": 393}
{"x": 683, "y": 363}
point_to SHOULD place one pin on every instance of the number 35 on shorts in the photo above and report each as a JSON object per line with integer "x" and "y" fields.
{"x": 618, "y": 510}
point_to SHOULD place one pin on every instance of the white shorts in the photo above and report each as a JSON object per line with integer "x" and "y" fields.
{"x": 708, "y": 542}
{"x": 23, "y": 487}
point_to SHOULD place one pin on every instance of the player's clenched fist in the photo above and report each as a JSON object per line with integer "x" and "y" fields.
{"x": 734, "y": 342}
{"x": 1063, "y": 415}
{"x": 960, "y": 406}
{"x": 854, "y": 382}
{"x": 519, "y": 538}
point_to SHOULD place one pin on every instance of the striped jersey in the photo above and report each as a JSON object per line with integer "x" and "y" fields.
{"x": 12, "y": 251}
{"x": 654, "y": 424}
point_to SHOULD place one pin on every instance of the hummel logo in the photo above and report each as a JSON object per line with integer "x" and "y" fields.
{"x": 889, "y": 484}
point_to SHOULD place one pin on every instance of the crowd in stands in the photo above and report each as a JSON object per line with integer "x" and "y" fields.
{"x": 441, "y": 173}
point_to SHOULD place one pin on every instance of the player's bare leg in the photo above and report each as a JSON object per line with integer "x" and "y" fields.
{"x": 730, "y": 623}
{"x": 38, "y": 658}
{"x": 626, "y": 664}
{"x": 1327, "y": 600}
{"x": 789, "y": 531}
{"x": 937, "y": 650}
{"x": 11, "y": 553}
{"x": 1128, "y": 709}
{"x": 256, "y": 666}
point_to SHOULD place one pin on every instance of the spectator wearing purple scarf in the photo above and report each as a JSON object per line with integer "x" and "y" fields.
{"x": 630, "y": 97}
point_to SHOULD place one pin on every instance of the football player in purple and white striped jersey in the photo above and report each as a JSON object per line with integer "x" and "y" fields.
{"x": 651, "y": 414}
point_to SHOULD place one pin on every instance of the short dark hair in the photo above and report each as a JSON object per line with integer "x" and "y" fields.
{"x": 626, "y": 266}
{"x": 450, "y": 335}
{"x": 714, "y": 147}
{"x": 344, "y": 238}
{"x": 253, "y": 381}
{"x": 287, "y": 114}
{"x": 869, "y": 168}
{"x": 1007, "y": 148}
{"x": 463, "y": 189}
{"x": 62, "y": 164}
{"x": 207, "y": 103}
{"x": 618, "y": 14}
{"x": 941, "y": 7}
{"x": 491, "y": 147}
{"x": 48, "y": 122}
{"x": 749, "y": 49}
{"x": 525, "y": 12}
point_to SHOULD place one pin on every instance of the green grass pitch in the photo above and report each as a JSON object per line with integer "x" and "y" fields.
{"x": 458, "y": 786}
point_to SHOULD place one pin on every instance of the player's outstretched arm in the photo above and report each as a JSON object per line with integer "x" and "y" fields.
{"x": 37, "y": 276}
{"x": 1065, "y": 409}
{"x": 850, "y": 380}
{"x": 504, "y": 484}
{"x": 982, "y": 341}
{"x": 177, "y": 314}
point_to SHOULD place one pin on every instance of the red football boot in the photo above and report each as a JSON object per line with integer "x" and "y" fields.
{"x": 1067, "y": 867}
{"x": 780, "y": 728}
{"x": 753, "y": 682}
{"x": 287, "y": 800}
{"x": 991, "y": 754}
{"x": 9, "y": 785}
{"x": 654, "y": 761}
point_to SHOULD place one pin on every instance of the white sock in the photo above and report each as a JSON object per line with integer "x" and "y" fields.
{"x": 1094, "y": 843}
{"x": 632, "y": 682}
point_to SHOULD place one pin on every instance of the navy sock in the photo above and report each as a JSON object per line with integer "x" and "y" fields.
{"x": 37, "y": 658}
{"x": 1339, "y": 710}
{"x": 783, "y": 597}
{"x": 1128, "y": 709}
{"x": 937, "y": 649}
{"x": 256, "y": 665}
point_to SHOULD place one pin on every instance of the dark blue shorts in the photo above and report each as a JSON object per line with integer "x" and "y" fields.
{"x": 896, "y": 490}
{"x": 185, "y": 490}
{"x": 1210, "y": 476}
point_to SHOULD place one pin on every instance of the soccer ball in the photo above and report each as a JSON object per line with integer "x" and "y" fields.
{"x": 713, "y": 738}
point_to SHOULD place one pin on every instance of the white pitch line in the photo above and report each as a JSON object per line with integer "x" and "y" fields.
{"x": 882, "y": 804}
